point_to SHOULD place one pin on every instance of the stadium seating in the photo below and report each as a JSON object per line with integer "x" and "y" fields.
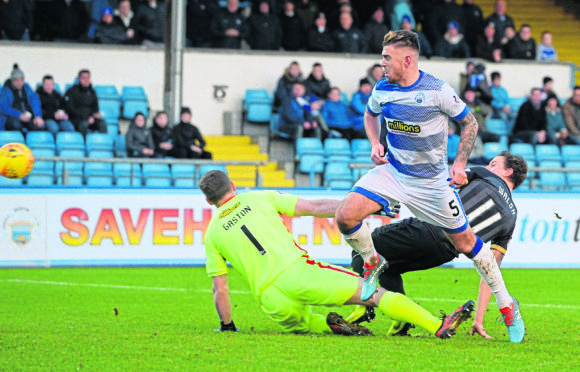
{"x": 184, "y": 182}
{"x": 338, "y": 176}
{"x": 99, "y": 141}
{"x": 74, "y": 169}
{"x": 101, "y": 154}
{"x": 120, "y": 146}
{"x": 209, "y": 167}
{"x": 573, "y": 179}
{"x": 127, "y": 175}
{"x": 497, "y": 126}
{"x": 337, "y": 149}
{"x": 184, "y": 173}
{"x": 360, "y": 147}
{"x": 133, "y": 92}
{"x": 524, "y": 150}
{"x": 133, "y": 106}
{"x": 570, "y": 153}
{"x": 98, "y": 169}
{"x": 257, "y": 106}
{"x": 359, "y": 172}
{"x": 110, "y": 109}
{"x": 43, "y": 167}
{"x": 100, "y": 181}
{"x": 551, "y": 180}
{"x": 40, "y": 140}
{"x": 157, "y": 182}
{"x": 310, "y": 154}
{"x": 10, "y": 182}
{"x": 106, "y": 91}
{"x": 39, "y": 180}
{"x": 274, "y": 130}
{"x": 69, "y": 141}
{"x": 491, "y": 149}
{"x": 10, "y": 136}
{"x": 517, "y": 102}
{"x": 548, "y": 152}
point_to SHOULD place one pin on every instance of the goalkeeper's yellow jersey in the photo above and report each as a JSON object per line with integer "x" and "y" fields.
{"x": 248, "y": 232}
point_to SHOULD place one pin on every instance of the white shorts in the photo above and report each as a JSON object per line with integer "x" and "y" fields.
{"x": 432, "y": 200}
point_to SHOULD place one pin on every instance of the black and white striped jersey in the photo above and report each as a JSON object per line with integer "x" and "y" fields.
{"x": 489, "y": 207}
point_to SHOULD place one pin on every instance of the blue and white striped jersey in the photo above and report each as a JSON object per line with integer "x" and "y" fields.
{"x": 417, "y": 118}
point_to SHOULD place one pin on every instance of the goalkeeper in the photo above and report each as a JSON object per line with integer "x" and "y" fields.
{"x": 247, "y": 231}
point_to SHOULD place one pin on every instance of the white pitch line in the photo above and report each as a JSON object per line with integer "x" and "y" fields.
{"x": 170, "y": 289}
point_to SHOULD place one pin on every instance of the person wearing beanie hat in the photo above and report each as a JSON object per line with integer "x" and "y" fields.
{"x": 188, "y": 141}
{"x": 110, "y": 32}
{"x": 358, "y": 105}
{"x": 452, "y": 44}
{"x": 20, "y": 105}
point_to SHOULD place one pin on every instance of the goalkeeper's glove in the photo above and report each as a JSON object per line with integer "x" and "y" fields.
{"x": 389, "y": 212}
{"x": 231, "y": 327}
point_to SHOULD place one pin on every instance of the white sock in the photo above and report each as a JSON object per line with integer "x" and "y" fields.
{"x": 360, "y": 241}
{"x": 487, "y": 267}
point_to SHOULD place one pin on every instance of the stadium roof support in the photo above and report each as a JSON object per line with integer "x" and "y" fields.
{"x": 174, "y": 45}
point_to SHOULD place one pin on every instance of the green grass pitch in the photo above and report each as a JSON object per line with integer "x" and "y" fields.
{"x": 124, "y": 319}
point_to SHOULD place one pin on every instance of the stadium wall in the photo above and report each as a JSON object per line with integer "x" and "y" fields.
{"x": 88, "y": 227}
{"x": 215, "y": 80}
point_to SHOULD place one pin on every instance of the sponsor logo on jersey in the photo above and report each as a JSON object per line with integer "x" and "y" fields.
{"x": 397, "y": 125}
{"x": 229, "y": 210}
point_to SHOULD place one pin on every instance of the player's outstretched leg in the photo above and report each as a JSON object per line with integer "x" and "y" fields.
{"x": 453, "y": 321}
{"x": 514, "y": 322}
{"x": 339, "y": 326}
{"x": 361, "y": 314}
{"x": 371, "y": 277}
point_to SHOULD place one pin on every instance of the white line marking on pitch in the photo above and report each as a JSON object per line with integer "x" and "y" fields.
{"x": 169, "y": 289}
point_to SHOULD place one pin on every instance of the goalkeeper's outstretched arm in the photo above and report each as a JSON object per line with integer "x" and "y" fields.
{"x": 316, "y": 207}
{"x": 221, "y": 298}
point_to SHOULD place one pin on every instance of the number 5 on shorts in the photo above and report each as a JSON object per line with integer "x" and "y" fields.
{"x": 454, "y": 208}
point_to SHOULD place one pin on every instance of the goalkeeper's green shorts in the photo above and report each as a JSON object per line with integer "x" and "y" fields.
{"x": 307, "y": 282}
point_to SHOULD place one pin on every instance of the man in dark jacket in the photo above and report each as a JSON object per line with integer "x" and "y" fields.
{"x": 473, "y": 24}
{"x": 531, "y": 123}
{"x": 82, "y": 105}
{"x": 500, "y": 19}
{"x": 319, "y": 37}
{"x": 348, "y": 38}
{"x": 110, "y": 32}
{"x": 487, "y": 47}
{"x": 523, "y": 46}
{"x": 317, "y": 84}
{"x": 19, "y": 105}
{"x": 162, "y": 135}
{"x": 443, "y": 14}
{"x": 69, "y": 20}
{"x": 150, "y": 22}
{"x": 375, "y": 31}
{"x": 16, "y": 19}
{"x": 292, "y": 28}
{"x": 265, "y": 30}
{"x": 229, "y": 27}
{"x": 52, "y": 105}
{"x": 188, "y": 143}
{"x": 200, "y": 14}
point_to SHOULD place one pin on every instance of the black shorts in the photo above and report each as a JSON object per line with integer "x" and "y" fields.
{"x": 409, "y": 245}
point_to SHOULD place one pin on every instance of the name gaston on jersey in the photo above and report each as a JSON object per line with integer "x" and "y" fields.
{"x": 399, "y": 126}
{"x": 235, "y": 218}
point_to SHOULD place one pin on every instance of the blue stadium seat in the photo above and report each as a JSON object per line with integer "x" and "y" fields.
{"x": 156, "y": 170}
{"x": 11, "y": 136}
{"x": 517, "y": 102}
{"x": 338, "y": 176}
{"x": 101, "y": 154}
{"x": 100, "y": 181}
{"x": 525, "y": 186}
{"x": 182, "y": 170}
{"x": 259, "y": 112}
{"x": 524, "y": 150}
{"x": 359, "y": 172}
{"x": 133, "y": 92}
{"x": 497, "y": 126}
{"x": 158, "y": 182}
{"x": 548, "y": 152}
{"x": 337, "y": 149}
{"x": 570, "y": 153}
{"x": 256, "y": 95}
{"x": 99, "y": 141}
{"x": 573, "y": 179}
{"x": 492, "y": 149}
{"x": 43, "y": 167}
{"x": 40, "y": 140}
{"x": 120, "y": 146}
{"x": 73, "y": 168}
{"x": 106, "y": 91}
{"x": 125, "y": 169}
{"x": 209, "y": 167}
{"x": 551, "y": 180}
{"x": 310, "y": 155}
{"x": 360, "y": 147}
{"x": 10, "y": 182}
{"x": 185, "y": 182}
{"x": 69, "y": 141}
{"x": 39, "y": 180}
{"x": 110, "y": 109}
{"x": 112, "y": 130}
{"x": 98, "y": 169}
{"x": 132, "y": 107}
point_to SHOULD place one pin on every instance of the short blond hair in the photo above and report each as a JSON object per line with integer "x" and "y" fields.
{"x": 402, "y": 38}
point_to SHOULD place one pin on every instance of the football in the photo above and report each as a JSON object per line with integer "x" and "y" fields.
{"x": 16, "y": 160}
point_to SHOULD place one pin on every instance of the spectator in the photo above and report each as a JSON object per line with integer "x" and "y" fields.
{"x": 125, "y": 17}
{"x": 97, "y": 8}
{"x": 296, "y": 118}
{"x": 82, "y": 105}
{"x": 501, "y": 100}
{"x": 336, "y": 115}
{"x": 452, "y": 45}
{"x": 69, "y": 21}
{"x": 265, "y": 30}
{"x": 349, "y": 39}
{"x": 292, "y": 75}
{"x": 473, "y": 24}
{"x": 150, "y": 22}
{"x": 400, "y": 10}
{"x": 487, "y": 47}
{"x": 523, "y": 46}
{"x": 52, "y": 106}
{"x": 425, "y": 50}
{"x": 530, "y": 124}
{"x": 443, "y": 15}
{"x": 505, "y": 41}
{"x": 307, "y": 11}
{"x": 375, "y": 31}
{"x": 15, "y": 19}
{"x": 110, "y": 32}
{"x": 199, "y": 18}
{"x": 19, "y": 106}
{"x": 477, "y": 81}
{"x": 139, "y": 141}
{"x": 500, "y": 19}
{"x": 317, "y": 84}
{"x": 571, "y": 113}
{"x": 481, "y": 111}
{"x": 189, "y": 143}
{"x": 343, "y": 6}
{"x": 546, "y": 51}
{"x": 292, "y": 34}
{"x": 374, "y": 74}
{"x": 162, "y": 135}
{"x": 556, "y": 127}
{"x": 319, "y": 37}
{"x": 548, "y": 90}
{"x": 358, "y": 105}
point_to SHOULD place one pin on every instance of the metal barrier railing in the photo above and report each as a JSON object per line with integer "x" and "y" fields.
{"x": 196, "y": 163}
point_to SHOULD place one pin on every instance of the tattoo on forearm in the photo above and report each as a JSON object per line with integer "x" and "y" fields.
{"x": 468, "y": 135}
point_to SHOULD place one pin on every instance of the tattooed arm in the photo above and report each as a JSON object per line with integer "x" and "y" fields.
{"x": 468, "y": 135}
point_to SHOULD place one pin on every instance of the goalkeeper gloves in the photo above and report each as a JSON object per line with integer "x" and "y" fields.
{"x": 231, "y": 327}
{"x": 389, "y": 212}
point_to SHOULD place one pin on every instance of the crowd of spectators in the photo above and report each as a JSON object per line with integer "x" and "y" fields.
{"x": 447, "y": 29}
{"x": 26, "y": 110}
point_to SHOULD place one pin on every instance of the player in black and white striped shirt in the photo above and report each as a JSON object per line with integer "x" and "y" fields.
{"x": 412, "y": 245}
